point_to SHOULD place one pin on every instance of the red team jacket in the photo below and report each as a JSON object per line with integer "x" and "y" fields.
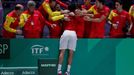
{"x": 87, "y": 27}
{"x": 120, "y": 19}
{"x": 98, "y": 28}
{"x": 45, "y": 15}
{"x": 10, "y": 25}
{"x": 80, "y": 26}
{"x": 54, "y": 32}
{"x": 34, "y": 24}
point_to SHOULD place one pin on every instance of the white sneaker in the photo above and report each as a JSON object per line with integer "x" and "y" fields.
{"x": 67, "y": 73}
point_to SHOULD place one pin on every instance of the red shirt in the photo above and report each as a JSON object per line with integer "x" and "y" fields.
{"x": 87, "y": 24}
{"x": 34, "y": 25}
{"x": 70, "y": 25}
{"x": 79, "y": 21}
{"x": 98, "y": 28}
{"x": 56, "y": 31}
{"x": 120, "y": 19}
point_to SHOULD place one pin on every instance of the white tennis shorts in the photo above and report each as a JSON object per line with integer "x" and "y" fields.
{"x": 68, "y": 40}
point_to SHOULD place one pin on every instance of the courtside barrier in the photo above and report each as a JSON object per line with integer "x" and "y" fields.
{"x": 92, "y": 56}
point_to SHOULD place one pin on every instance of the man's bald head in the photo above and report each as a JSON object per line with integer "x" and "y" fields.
{"x": 31, "y": 3}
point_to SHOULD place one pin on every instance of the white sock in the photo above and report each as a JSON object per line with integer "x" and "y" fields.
{"x": 59, "y": 67}
{"x": 68, "y": 68}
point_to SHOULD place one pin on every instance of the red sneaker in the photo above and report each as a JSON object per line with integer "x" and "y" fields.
{"x": 59, "y": 72}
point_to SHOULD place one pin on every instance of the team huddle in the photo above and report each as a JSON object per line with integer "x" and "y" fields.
{"x": 88, "y": 21}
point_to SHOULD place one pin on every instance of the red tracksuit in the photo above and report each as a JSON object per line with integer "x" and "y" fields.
{"x": 33, "y": 27}
{"x": 10, "y": 25}
{"x": 79, "y": 21}
{"x": 87, "y": 24}
{"x": 54, "y": 32}
{"x": 98, "y": 28}
{"x": 120, "y": 19}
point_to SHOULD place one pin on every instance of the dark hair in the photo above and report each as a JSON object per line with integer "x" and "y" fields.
{"x": 78, "y": 6}
{"x": 50, "y": 1}
{"x": 72, "y": 7}
{"x": 119, "y": 1}
{"x": 102, "y": 1}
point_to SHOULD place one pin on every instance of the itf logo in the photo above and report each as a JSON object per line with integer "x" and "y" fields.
{"x": 39, "y": 50}
{"x": 4, "y": 48}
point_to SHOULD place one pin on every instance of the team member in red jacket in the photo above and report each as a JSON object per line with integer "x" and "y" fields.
{"x": 100, "y": 12}
{"x": 47, "y": 6}
{"x": 12, "y": 23}
{"x": 32, "y": 22}
{"x": 131, "y": 12}
{"x": 55, "y": 31}
{"x": 118, "y": 19}
{"x": 55, "y": 28}
{"x": 79, "y": 21}
{"x": 87, "y": 5}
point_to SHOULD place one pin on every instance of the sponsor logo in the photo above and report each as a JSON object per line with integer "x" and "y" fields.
{"x": 39, "y": 50}
{"x": 4, "y": 48}
{"x": 7, "y": 73}
{"x": 48, "y": 65}
{"x": 19, "y": 71}
{"x": 28, "y": 73}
